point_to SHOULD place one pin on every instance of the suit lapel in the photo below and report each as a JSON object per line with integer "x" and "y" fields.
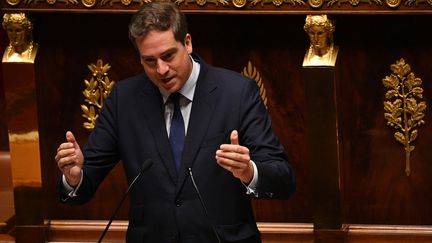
{"x": 205, "y": 99}
{"x": 151, "y": 104}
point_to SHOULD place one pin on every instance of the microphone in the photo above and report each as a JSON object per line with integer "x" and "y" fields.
{"x": 145, "y": 166}
{"x": 189, "y": 168}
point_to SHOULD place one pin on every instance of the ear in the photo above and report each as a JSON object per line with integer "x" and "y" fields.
{"x": 188, "y": 43}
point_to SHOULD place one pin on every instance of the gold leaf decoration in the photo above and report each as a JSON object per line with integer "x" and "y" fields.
{"x": 202, "y": 2}
{"x": 404, "y": 108}
{"x": 51, "y": 2}
{"x": 393, "y": 3}
{"x": 239, "y": 3}
{"x": 416, "y": 2}
{"x": 314, "y": 4}
{"x": 13, "y": 2}
{"x": 97, "y": 89}
{"x": 252, "y": 73}
{"x": 353, "y": 2}
{"x": 277, "y": 3}
{"x": 124, "y": 2}
{"x": 88, "y": 3}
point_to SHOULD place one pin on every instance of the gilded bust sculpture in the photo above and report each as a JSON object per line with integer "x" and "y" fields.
{"x": 21, "y": 46}
{"x": 322, "y": 51}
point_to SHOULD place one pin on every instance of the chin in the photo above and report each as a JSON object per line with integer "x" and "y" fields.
{"x": 171, "y": 89}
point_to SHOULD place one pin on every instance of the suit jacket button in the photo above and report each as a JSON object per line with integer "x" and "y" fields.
{"x": 178, "y": 203}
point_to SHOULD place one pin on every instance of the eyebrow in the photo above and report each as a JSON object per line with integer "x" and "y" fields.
{"x": 173, "y": 49}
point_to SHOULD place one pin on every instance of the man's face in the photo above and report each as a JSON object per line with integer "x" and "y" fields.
{"x": 165, "y": 60}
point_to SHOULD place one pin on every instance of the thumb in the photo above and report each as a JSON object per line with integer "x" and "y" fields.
{"x": 71, "y": 139}
{"x": 234, "y": 137}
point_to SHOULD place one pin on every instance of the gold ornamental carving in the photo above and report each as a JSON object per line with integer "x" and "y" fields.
{"x": 251, "y": 72}
{"x": 416, "y": 2}
{"x": 353, "y": 2}
{"x": 124, "y": 2}
{"x": 88, "y": 3}
{"x": 393, "y": 3}
{"x": 50, "y": 2}
{"x": 97, "y": 89}
{"x": 404, "y": 108}
{"x": 314, "y": 4}
{"x": 13, "y": 2}
{"x": 202, "y": 2}
{"x": 277, "y": 3}
{"x": 239, "y": 3}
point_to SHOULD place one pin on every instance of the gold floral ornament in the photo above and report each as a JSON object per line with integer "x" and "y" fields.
{"x": 353, "y": 2}
{"x": 393, "y": 3}
{"x": 251, "y": 72}
{"x": 13, "y": 2}
{"x": 239, "y": 3}
{"x": 416, "y": 2}
{"x": 88, "y": 3}
{"x": 124, "y": 2}
{"x": 201, "y": 2}
{"x": 95, "y": 93}
{"x": 277, "y": 3}
{"x": 404, "y": 109}
{"x": 51, "y": 2}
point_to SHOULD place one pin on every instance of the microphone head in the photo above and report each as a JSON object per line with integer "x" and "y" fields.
{"x": 146, "y": 165}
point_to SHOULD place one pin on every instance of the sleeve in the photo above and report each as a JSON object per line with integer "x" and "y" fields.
{"x": 276, "y": 178}
{"x": 100, "y": 153}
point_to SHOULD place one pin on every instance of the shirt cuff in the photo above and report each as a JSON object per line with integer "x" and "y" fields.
{"x": 251, "y": 188}
{"x": 71, "y": 190}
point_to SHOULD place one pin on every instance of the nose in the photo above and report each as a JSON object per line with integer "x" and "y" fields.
{"x": 315, "y": 38}
{"x": 162, "y": 67}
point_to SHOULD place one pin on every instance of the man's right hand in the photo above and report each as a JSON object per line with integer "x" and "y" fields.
{"x": 70, "y": 159}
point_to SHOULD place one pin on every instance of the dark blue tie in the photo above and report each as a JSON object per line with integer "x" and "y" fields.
{"x": 177, "y": 130}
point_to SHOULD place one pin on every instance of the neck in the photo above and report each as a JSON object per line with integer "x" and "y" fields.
{"x": 322, "y": 51}
{"x": 22, "y": 48}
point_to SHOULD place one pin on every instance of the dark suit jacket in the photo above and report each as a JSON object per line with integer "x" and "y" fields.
{"x": 164, "y": 205}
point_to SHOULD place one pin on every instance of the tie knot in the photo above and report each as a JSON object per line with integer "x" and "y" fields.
{"x": 175, "y": 98}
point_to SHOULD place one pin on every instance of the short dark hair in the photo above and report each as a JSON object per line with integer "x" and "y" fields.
{"x": 158, "y": 16}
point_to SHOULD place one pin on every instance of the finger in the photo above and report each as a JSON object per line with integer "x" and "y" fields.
{"x": 234, "y": 137}
{"x": 234, "y": 148}
{"x": 62, "y": 153}
{"x": 66, "y": 163}
{"x": 71, "y": 138}
{"x": 230, "y": 163}
{"x": 232, "y": 156}
{"x": 234, "y": 170}
{"x": 65, "y": 146}
{"x": 223, "y": 164}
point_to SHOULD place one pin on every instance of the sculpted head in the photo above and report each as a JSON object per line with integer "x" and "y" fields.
{"x": 320, "y": 30}
{"x": 19, "y": 29}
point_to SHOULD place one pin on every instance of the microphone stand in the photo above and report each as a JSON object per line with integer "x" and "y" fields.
{"x": 147, "y": 164}
{"x": 202, "y": 203}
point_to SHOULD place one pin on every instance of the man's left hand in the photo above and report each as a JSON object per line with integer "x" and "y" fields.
{"x": 235, "y": 158}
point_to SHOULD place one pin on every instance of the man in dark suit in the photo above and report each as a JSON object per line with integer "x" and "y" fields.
{"x": 225, "y": 140}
